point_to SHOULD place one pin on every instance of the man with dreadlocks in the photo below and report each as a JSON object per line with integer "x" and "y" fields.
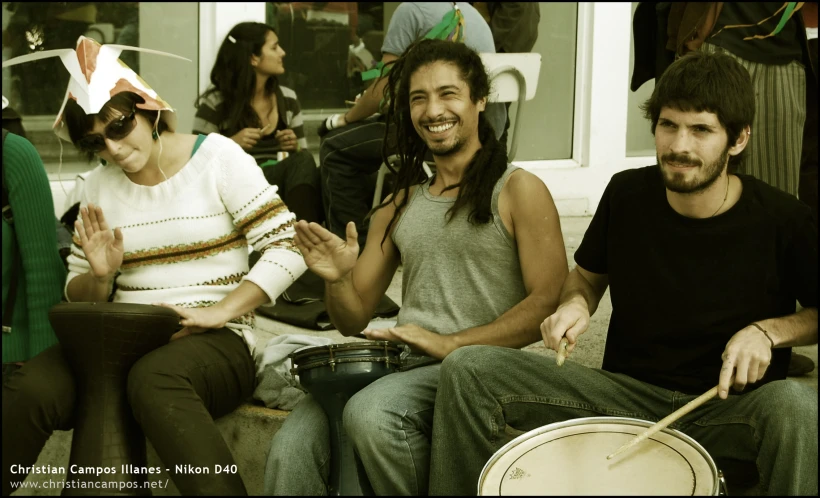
{"x": 352, "y": 142}
{"x": 483, "y": 260}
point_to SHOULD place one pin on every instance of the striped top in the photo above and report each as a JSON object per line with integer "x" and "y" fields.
{"x": 210, "y": 118}
{"x": 186, "y": 239}
{"x": 34, "y": 240}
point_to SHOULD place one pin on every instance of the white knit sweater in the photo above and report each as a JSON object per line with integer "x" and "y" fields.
{"x": 186, "y": 239}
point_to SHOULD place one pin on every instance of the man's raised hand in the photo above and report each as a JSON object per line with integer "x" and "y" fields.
{"x": 326, "y": 254}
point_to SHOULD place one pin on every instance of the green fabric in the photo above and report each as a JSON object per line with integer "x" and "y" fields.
{"x": 448, "y": 27}
{"x": 451, "y": 27}
{"x": 42, "y": 277}
{"x": 375, "y": 72}
{"x": 199, "y": 139}
{"x": 785, "y": 18}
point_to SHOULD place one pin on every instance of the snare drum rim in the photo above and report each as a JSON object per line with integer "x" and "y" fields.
{"x": 598, "y": 420}
{"x": 345, "y": 346}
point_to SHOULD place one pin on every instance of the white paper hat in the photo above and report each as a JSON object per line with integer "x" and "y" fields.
{"x": 97, "y": 74}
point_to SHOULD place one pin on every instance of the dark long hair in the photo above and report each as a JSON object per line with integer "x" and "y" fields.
{"x": 234, "y": 78}
{"x": 486, "y": 167}
{"x": 704, "y": 82}
{"x": 79, "y": 123}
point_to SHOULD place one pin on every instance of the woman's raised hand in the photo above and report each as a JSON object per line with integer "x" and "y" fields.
{"x": 102, "y": 247}
{"x": 325, "y": 254}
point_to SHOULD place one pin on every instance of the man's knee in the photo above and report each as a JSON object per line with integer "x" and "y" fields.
{"x": 465, "y": 360}
{"x": 790, "y": 406}
{"x": 362, "y": 418}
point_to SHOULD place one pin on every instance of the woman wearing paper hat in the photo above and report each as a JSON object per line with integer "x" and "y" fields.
{"x": 183, "y": 209}
{"x": 246, "y": 103}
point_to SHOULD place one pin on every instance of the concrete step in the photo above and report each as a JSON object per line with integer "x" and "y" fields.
{"x": 248, "y": 432}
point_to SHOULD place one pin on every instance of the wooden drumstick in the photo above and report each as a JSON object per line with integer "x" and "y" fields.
{"x": 663, "y": 424}
{"x": 562, "y": 351}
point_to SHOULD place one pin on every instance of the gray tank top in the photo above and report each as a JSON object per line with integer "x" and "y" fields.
{"x": 456, "y": 275}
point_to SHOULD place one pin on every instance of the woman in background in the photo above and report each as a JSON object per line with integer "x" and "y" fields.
{"x": 246, "y": 103}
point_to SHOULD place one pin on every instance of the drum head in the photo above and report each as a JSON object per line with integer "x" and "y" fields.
{"x": 569, "y": 458}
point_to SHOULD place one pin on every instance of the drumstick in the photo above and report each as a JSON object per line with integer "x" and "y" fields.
{"x": 672, "y": 417}
{"x": 562, "y": 351}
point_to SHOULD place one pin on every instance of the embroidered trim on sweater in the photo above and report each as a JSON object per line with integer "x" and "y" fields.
{"x": 227, "y": 280}
{"x": 260, "y": 215}
{"x": 292, "y": 276}
{"x": 175, "y": 218}
{"x": 184, "y": 252}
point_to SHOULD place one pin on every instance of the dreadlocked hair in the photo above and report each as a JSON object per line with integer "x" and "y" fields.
{"x": 485, "y": 168}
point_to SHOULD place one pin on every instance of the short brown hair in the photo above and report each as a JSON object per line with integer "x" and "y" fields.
{"x": 704, "y": 82}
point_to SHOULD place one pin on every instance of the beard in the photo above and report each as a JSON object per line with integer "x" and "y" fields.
{"x": 705, "y": 176}
{"x": 444, "y": 149}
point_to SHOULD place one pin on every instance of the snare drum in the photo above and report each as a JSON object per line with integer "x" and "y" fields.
{"x": 332, "y": 374}
{"x": 569, "y": 458}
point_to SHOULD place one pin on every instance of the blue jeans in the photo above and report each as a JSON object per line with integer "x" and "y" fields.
{"x": 484, "y": 389}
{"x": 389, "y": 423}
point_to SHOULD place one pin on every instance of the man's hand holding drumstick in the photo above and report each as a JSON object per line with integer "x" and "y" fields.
{"x": 580, "y": 296}
{"x": 745, "y": 360}
{"x": 560, "y": 330}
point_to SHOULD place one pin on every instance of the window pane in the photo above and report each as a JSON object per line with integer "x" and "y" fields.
{"x": 639, "y": 139}
{"x": 36, "y": 90}
{"x": 546, "y": 127}
{"x": 317, "y": 36}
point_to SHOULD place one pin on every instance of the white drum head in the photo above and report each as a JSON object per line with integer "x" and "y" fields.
{"x": 569, "y": 458}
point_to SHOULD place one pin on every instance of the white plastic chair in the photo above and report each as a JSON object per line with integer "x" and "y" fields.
{"x": 513, "y": 78}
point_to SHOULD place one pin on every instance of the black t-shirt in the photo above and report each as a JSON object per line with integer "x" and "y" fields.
{"x": 681, "y": 287}
{"x": 781, "y": 48}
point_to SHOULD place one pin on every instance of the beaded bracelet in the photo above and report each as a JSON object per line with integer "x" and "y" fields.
{"x": 764, "y": 333}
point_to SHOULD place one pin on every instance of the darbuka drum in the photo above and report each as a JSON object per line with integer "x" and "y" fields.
{"x": 101, "y": 342}
{"x": 569, "y": 458}
{"x": 332, "y": 374}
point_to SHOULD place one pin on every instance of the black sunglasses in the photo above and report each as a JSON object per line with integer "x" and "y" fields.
{"x": 115, "y": 130}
